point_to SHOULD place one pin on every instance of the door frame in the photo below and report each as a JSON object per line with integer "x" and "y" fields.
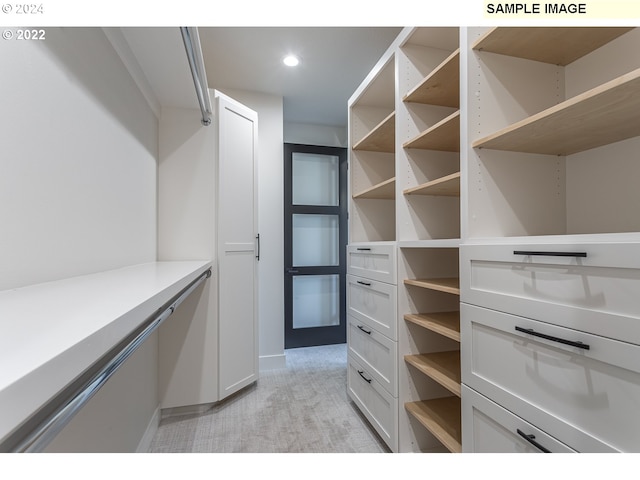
{"x": 314, "y": 336}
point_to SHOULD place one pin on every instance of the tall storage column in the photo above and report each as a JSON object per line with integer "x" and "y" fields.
{"x": 428, "y": 218}
{"x": 206, "y": 176}
{"x": 371, "y": 253}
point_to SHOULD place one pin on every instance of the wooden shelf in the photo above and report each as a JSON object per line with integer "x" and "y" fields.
{"x": 603, "y": 115}
{"x": 441, "y": 417}
{"x": 384, "y": 190}
{"x": 448, "y": 186}
{"x": 448, "y": 285}
{"x": 443, "y": 136}
{"x": 382, "y": 138}
{"x": 443, "y": 323}
{"x": 558, "y": 46}
{"x": 441, "y": 86}
{"x": 430, "y": 243}
{"x": 443, "y": 367}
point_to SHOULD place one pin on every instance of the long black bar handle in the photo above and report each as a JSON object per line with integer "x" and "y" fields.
{"x": 368, "y": 332}
{"x": 258, "y": 252}
{"x": 363, "y": 249}
{"x": 366, "y": 284}
{"x": 532, "y": 441}
{"x": 530, "y": 331}
{"x": 550, "y": 254}
{"x": 361, "y": 373}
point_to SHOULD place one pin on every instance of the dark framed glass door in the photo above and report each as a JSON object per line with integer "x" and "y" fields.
{"x": 315, "y": 224}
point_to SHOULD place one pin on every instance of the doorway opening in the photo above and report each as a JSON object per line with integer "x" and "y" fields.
{"x": 315, "y": 240}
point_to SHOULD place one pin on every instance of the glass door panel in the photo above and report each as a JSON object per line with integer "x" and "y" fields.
{"x": 315, "y": 240}
{"x": 315, "y": 179}
{"x": 316, "y": 301}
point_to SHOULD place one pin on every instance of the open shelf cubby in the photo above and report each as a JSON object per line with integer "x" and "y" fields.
{"x": 556, "y": 45}
{"x": 441, "y": 416}
{"x": 448, "y": 186}
{"x": 441, "y": 86}
{"x": 443, "y": 367}
{"x": 381, "y": 138}
{"x": 556, "y": 123}
{"x": 443, "y": 323}
{"x": 444, "y": 136}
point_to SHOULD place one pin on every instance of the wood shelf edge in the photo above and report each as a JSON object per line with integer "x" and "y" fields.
{"x": 548, "y": 114}
{"x": 443, "y": 323}
{"x": 386, "y": 123}
{"x": 379, "y": 191}
{"x": 438, "y": 71}
{"x": 448, "y": 121}
{"x": 440, "y": 416}
{"x": 448, "y": 184}
{"x": 441, "y": 367}
{"x": 577, "y": 42}
{"x": 447, "y": 285}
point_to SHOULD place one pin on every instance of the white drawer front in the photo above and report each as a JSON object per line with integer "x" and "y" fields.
{"x": 591, "y": 396}
{"x": 377, "y": 262}
{"x": 373, "y": 302}
{"x": 489, "y": 428}
{"x": 598, "y": 293}
{"x": 375, "y": 351}
{"x": 378, "y": 405}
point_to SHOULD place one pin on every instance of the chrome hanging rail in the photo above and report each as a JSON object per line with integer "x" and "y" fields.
{"x": 37, "y": 433}
{"x": 191, "y": 41}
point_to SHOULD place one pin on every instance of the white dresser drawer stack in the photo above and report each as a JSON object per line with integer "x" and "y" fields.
{"x": 372, "y": 335}
{"x": 551, "y": 335}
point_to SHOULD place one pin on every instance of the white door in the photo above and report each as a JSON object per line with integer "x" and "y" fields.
{"x": 238, "y": 244}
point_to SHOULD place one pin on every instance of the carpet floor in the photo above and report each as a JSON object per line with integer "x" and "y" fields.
{"x": 302, "y": 408}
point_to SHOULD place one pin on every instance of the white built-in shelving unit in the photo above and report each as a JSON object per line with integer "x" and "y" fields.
{"x": 549, "y": 105}
{"x": 428, "y": 214}
{"x": 513, "y": 184}
{"x": 372, "y": 122}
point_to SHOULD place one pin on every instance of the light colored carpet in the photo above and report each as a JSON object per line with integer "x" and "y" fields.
{"x": 302, "y": 408}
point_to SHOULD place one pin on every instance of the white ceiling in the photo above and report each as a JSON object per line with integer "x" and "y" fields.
{"x": 335, "y": 60}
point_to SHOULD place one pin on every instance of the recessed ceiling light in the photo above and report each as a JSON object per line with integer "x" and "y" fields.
{"x": 291, "y": 60}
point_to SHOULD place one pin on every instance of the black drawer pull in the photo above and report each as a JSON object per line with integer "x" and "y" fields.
{"x": 363, "y": 249}
{"x": 530, "y": 331}
{"x": 360, "y": 372}
{"x": 531, "y": 440}
{"x": 368, "y": 332}
{"x": 550, "y": 254}
{"x": 366, "y": 284}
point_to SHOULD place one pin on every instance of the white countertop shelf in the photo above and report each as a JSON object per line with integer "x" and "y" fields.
{"x": 52, "y": 332}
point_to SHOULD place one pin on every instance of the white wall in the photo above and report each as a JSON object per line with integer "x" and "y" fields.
{"x": 187, "y": 231}
{"x": 271, "y": 222}
{"x": 78, "y": 150}
{"x": 309, "y": 134}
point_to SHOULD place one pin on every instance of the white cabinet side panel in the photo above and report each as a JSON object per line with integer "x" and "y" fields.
{"x": 237, "y": 230}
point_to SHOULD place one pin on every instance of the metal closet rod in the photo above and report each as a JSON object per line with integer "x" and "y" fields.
{"x": 36, "y": 433}
{"x": 194, "y": 54}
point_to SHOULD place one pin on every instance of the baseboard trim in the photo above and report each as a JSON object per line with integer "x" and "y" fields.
{"x": 145, "y": 443}
{"x": 272, "y": 362}
{"x": 187, "y": 410}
